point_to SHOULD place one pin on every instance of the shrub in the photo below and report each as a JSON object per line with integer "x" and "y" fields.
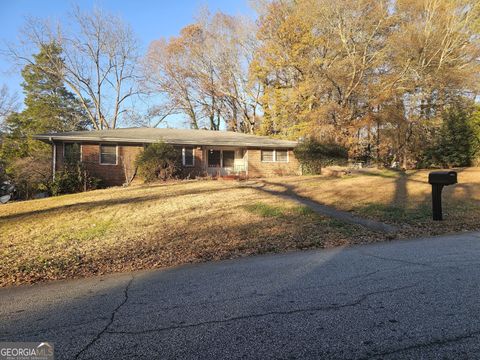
{"x": 72, "y": 179}
{"x": 314, "y": 155}
{"x": 30, "y": 175}
{"x": 159, "y": 161}
{"x": 457, "y": 142}
{"x": 3, "y": 173}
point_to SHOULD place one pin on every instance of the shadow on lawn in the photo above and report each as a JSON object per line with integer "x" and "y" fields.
{"x": 402, "y": 208}
{"x": 277, "y": 229}
{"x": 289, "y": 192}
{"x": 406, "y": 208}
{"x": 122, "y": 200}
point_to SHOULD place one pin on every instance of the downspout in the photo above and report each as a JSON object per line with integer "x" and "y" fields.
{"x": 54, "y": 159}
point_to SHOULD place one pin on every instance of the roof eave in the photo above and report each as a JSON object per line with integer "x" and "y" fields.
{"x": 50, "y": 138}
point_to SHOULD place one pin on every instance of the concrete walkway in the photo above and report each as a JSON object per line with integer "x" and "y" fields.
{"x": 416, "y": 299}
{"x": 289, "y": 194}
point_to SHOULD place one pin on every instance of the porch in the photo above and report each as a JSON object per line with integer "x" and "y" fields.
{"x": 225, "y": 161}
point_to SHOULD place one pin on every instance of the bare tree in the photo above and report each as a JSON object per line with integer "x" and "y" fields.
{"x": 8, "y": 103}
{"x": 168, "y": 71}
{"x": 99, "y": 65}
{"x": 231, "y": 46}
{"x": 204, "y": 72}
{"x": 152, "y": 117}
{"x": 129, "y": 166}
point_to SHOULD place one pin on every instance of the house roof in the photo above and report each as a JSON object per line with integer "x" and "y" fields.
{"x": 170, "y": 136}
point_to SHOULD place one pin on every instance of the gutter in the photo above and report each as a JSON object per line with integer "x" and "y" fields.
{"x": 54, "y": 158}
{"x": 200, "y": 142}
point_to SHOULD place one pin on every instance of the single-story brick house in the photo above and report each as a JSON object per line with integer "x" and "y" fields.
{"x": 110, "y": 154}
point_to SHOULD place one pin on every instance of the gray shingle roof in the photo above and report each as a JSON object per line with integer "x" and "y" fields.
{"x": 170, "y": 136}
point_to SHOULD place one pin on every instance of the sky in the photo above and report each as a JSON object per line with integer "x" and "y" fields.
{"x": 149, "y": 19}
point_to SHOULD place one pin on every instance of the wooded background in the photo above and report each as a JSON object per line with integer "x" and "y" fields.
{"x": 393, "y": 82}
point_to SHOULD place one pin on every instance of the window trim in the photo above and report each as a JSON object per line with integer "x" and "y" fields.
{"x": 274, "y": 156}
{"x": 193, "y": 156}
{"x": 72, "y": 142}
{"x": 100, "y": 153}
{"x": 267, "y": 161}
{"x": 276, "y": 160}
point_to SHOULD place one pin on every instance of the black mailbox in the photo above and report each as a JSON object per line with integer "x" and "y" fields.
{"x": 439, "y": 179}
{"x": 442, "y": 177}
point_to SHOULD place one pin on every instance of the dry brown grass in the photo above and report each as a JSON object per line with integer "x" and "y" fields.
{"x": 141, "y": 227}
{"x": 396, "y": 198}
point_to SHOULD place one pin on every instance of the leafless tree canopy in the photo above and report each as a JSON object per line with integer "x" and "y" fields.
{"x": 8, "y": 103}
{"x": 204, "y": 72}
{"x": 100, "y": 57}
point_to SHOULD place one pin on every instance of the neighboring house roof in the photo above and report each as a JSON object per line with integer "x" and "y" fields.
{"x": 170, "y": 136}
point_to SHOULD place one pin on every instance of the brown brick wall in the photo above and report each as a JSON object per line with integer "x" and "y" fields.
{"x": 257, "y": 168}
{"x": 111, "y": 175}
{"x": 114, "y": 175}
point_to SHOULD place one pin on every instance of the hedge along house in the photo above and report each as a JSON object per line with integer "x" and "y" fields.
{"x": 110, "y": 154}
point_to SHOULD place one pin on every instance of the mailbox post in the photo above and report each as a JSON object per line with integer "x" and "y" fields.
{"x": 439, "y": 179}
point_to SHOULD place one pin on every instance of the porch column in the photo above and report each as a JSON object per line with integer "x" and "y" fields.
{"x": 245, "y": 160}
{"x": 205, "y": 159}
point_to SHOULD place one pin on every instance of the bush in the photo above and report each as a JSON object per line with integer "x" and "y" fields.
{"x": 3, "y": 172}
{"x": 458, "y": 141}
{"x": 30, "y": 175}
{"x": 314, "y": 155}
{"x": 74, "y": 178}
{"x": 159, "y": 161}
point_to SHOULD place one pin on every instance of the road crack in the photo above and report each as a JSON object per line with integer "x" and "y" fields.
{"x": 357, "y": 302}
{"x": 438, "y": 342}
{"x": 395, "y": 259}
{"x": 110, "y": 322}
{"x": 407, "y": 262}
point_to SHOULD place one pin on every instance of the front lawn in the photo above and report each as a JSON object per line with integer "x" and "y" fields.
{"x": 155, "y": 226}
{"x": 400, "y": 199}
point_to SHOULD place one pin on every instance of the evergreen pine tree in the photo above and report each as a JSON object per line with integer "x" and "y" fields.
{"x": 49, "y": 107}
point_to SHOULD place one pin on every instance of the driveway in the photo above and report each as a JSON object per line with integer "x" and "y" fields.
{"x": 396, "y": 300}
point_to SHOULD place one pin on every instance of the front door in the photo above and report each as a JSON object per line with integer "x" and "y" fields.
{"x": 214, "y": 158}
{"x": 228, "y": 160}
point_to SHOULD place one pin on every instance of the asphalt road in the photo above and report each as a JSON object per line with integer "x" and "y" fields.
{"x": 417, "y": 299}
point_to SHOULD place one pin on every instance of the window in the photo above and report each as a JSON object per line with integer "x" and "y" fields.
{"x": 188, "y": 158}
{"x": 274, "y": 155}
{"x": 267, "y": 155}
{"x": 281, "y": 155}
{"x": 71, "y": 152}
{"x": 108, "y": 154}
